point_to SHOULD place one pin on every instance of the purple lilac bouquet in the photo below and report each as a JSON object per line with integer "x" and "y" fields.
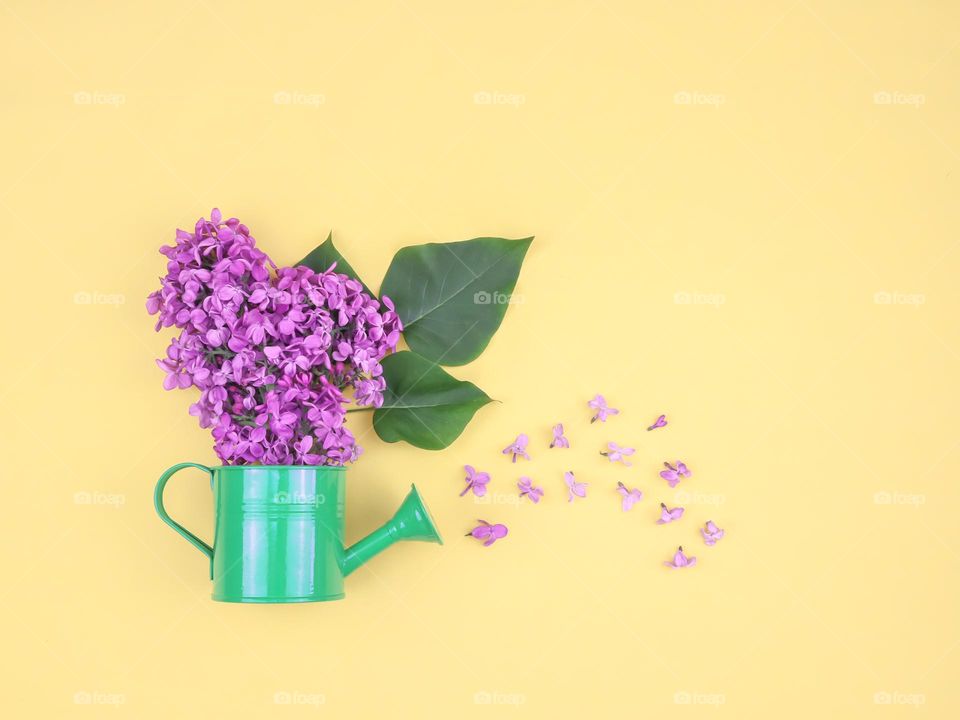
{"x": 277, "y": 353}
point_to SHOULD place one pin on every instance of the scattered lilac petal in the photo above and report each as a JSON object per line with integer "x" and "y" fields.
{"x": 518, "y": 447}
{"x": 661, "y": 422}
{"x": 604, "y": 411}
{"x": 527, "y": 488}
{"x": 558, "y": 439}
{"x": 711, "y": 533}
{"x": 673, "y": 474}
{"x": 680, "y": 560}
{"x": 488, "y": 532}
{"x": 578, "y": 489}
{"x": 630, "y": 497}
{"x": 617, "y": 453}
{"x": 669, "y": 515}
{"x": 476, "y": 481}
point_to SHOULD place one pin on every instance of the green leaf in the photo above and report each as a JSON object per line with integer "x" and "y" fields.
{"x": 452, "y": 297}
{"x": 423, "y": 405}
{"x": 325, "y": 255}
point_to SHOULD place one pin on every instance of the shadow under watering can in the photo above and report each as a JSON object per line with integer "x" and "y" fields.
{"x": 278, "y": 532}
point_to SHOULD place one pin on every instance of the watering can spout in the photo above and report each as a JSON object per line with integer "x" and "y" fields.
{"x": 411, "y": 521}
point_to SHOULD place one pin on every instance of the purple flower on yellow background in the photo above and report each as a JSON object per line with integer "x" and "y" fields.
{"x": 711, "y": 533}
{"x": 599, "y": 404}
{"x": 518, "y": 447}
{"x": 489, "y": 533}
{"x": 668, "y": 515}
{"x": 673, "y": 474}
{"x": 680, "y": 560}
{"x": 558, "y": 439}
{"x": 617, "y": 453}
{"x": 276, "y": 353}
{"x": 660, "y": 422}
{"x": 530, "y": 490}
{"x": 578, "y": 489}
{"x": 630, "y": 497}
{"x": 476, "y": 481}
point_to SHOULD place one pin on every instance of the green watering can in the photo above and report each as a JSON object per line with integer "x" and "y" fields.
{"x": 278, "y": 532}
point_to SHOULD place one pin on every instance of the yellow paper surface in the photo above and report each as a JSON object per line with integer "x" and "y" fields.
{"x": 745, "y": 217}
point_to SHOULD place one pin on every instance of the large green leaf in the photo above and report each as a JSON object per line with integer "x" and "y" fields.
{"x": 452, "y": 297}
{"x": 423, "y": 405}
{"x": 325, "y": 255}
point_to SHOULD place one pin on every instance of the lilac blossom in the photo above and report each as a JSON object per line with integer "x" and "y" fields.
{"x": 617, "y": 453}
{"x": 711, "y": 533}
{"x": 630, "y": 497}
{"x": 530, "y": 490}
{"x": 669, "y": 515}
{"x": 599, "y": 404}
{"x": 558, "y": 439}
{"x": 276, "y": 353}
{"x": 680, "y": 560}
{"x": 488, "y": 532}
{"x": 660, "y": 422}
{"x": 476, "y": 481}
{"x": 574, "y": 488}
{"x": 518, "y": 447}
{"x": 673, "y": 474}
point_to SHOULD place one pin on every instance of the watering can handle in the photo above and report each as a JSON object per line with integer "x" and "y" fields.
{"x": 158, "y": 504}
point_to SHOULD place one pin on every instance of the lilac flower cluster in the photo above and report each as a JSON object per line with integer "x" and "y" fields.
{"x": 275, "y": 352}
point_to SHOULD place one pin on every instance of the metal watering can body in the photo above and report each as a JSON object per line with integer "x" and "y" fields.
{"x": 278, "y": 532}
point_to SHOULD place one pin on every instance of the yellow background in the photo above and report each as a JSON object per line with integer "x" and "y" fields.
{"x": 745, "y": 217}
